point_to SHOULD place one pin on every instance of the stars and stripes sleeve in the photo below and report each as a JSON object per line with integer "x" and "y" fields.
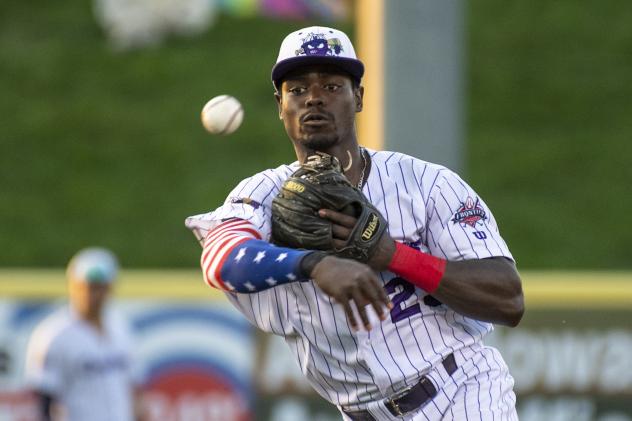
{"x": 460, "y": 225}
{"x": 236, "y": 259}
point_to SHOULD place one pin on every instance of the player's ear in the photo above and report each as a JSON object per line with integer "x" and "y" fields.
{"x": 358, "y": 94}
{"x": 279, "y": 99}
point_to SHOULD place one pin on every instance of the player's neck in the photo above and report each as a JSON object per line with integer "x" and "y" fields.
{"x": 357, "y": 167}
{"x": 354, "y": 165}
{"x": 96, "y": 323}
{"x": 94, "y": 319}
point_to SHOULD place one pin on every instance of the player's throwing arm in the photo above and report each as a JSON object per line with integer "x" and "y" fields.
{"x": 234, "y": 259}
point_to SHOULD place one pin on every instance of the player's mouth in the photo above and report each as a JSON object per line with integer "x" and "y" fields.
{"x": 315, "y": 119}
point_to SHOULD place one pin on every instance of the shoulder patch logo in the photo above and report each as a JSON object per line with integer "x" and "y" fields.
{"x": 470, "y": 213}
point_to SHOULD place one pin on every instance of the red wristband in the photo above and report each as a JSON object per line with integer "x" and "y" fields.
{"x": 419, "y": 268}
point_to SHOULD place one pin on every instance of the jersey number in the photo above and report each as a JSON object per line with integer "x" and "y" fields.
{"x": 407, "y": 290}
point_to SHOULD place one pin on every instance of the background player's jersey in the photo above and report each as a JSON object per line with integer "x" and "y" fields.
{"x": 427, "y": 207}
{"x": 90, "y": 373}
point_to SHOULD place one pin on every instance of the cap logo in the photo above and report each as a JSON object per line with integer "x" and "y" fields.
{"x": 97, "y": 274}
{"x": 316, "y": 44}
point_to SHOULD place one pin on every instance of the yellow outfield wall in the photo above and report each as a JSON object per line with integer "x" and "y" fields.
{"x": 543, "y": 289}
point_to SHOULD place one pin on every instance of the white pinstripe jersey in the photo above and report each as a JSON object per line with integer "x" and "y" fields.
{"x": 427, "y": 207}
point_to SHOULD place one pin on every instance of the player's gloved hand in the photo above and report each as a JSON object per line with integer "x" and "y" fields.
{"x": 342, "y": 228}
{"x": 319, "y": 183}
{"x": 346, "y": 281}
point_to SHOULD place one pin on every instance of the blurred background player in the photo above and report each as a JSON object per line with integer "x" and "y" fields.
{"x": 79, "y": 361}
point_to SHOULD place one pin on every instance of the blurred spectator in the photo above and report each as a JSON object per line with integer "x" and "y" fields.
{"x": 79, "y": 361}
{"x": 327, "y": 10}
{"x": 133, "y": 24}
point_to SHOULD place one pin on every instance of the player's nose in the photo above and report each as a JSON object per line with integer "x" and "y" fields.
{"x": 314, "y": 97}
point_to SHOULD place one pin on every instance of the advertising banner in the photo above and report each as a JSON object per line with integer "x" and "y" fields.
{"x": 571, "y": 356}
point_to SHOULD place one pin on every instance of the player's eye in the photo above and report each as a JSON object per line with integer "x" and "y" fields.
{"x": 332, "y": 87}
{"x": 296, "y": 90}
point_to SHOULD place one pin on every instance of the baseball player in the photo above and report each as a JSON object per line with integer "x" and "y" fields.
{"x": 79, "y": 358}
{"x": 397, "y": 336}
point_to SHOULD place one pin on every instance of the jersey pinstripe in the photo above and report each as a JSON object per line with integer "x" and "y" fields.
{"x": 427, "y": 207}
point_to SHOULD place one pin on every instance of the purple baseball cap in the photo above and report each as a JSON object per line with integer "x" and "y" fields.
{"x": 316, "y": 45}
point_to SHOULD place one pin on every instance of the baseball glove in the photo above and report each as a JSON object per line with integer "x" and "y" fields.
{"x": 320, "y": 184}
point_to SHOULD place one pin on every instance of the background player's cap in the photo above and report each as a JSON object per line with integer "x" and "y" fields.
{"x": 316, "y": 45}
{"x": 94, "y": 265}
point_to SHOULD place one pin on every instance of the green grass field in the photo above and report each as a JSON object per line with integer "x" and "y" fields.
{"x": 550, "y": 86}
{"x": 107, "y": 148}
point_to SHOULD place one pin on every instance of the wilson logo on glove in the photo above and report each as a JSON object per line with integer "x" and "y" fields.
{"x": 371, "y": 226}
{"x": 294, "y": 186}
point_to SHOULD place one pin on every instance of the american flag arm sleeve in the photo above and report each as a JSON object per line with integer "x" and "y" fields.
{"x": 236, "y": 259}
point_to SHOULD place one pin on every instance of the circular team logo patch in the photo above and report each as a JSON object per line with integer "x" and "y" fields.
{"x": 470, "y": 213}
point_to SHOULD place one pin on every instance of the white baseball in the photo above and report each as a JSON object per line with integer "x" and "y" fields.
{"x": 222, "y": 115}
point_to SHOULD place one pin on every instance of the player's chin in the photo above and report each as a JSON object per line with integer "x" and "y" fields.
{"x": 319, "y": 141}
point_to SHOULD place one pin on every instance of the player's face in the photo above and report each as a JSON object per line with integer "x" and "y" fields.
{"x": 318, "y": 106}
{"x": 88, "y": 298}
